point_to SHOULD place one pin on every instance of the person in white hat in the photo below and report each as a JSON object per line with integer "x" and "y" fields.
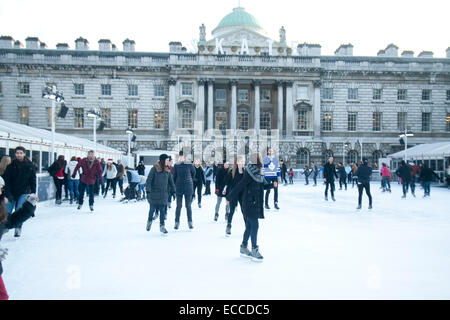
{"x": 110, "y": 174}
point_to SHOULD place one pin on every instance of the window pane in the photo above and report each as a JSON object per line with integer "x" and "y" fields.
{"x": 327, "y": 121}
{"x": 352, "y": 93}
{"x": 401, "y": 121}
{"x": 265, "y": 95}
{"x": 133, "y": 118}
{"x": 302, "y": 119}
{"x": 221, "y": 94}
{"x": 186, "y": 119}
{"x": 327, "y": 93}
{"x": 401, "y": 94}
{"x": 426, "y": 94}
{"x": 78, "y": 117}
{"x": 132, "y": 90}
{"x": 106, "y": 89}
{"x": 376, "y": 121}
{"x": 221, "y": 120}
{"x": 186, "y": 89}
{"x": 24, "y": 113}
{"x": 243, "y": 122}
{"x": 351, "y": 121}
{"x": 447, "y": 120}
{"x": 265, "y": 123}
{"x": 158, "y": 91}
{"x": 24, "y": 87}
{"x": 243, "y": 95}
{"x": 302, "y": 158}
{"x": 377, "y": 94}
{"x": 79, "y": 89}
{"x": 426, "y": 121}
{"x": 158, "y": 122}
{"x": 106, "y": 116}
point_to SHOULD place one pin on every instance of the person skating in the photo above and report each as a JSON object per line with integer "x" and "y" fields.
{"x": 120, "y": 175}
{"x": 208, "y": 179}
{"x": 291, "y": 176}
{"x": 342, "y": 176}
{"x": 183, "y": 175}
{"x": 141, "y": 168}
{"x": 329, "y": 173}
{"x": 284, "y": 172}
{"x": 73, "y": 184}
{"x": 364, "y": 173}
{"x": 56, "y": 170}
{"x": 99, "y": 187}
{"x": 306, "y": 172}
{"x": 426, "y": 176}
{"x": 111, "y": 180}
{"x": 133, "y": 182}
{"x": 91, "y": 171}
{"x": 386, "y": 177}
{"x": 237, "y": 174}
{"x": 222, "y": 176}
{"x": 272, "y": 176}
{"x": 199, "y": 181}
{"x": 251, "y": 187}
{"x": 353, "y": 174}
{"x": 415, "y": 172}
{"x": 404, "y": 172}
{"x": 141, "y": 187}
{"x": 159, "y": 185}
{"x": 169, "y": 200}
{"x": 447, "y": 173}
{"x": 315, "y": 172}
{"x": 20, "y": 180}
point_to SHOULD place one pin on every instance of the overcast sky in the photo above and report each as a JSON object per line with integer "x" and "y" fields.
{"x": 368, "y": 25}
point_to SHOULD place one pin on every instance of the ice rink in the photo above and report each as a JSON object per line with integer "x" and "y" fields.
{"x": 312, "y": 250}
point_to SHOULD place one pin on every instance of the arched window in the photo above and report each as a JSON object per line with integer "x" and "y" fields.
{"x": 326, "y": 155}
{"x": 302, "y": 158}
{"x": 352, "y": 156}
{"x": 376, "y": 155}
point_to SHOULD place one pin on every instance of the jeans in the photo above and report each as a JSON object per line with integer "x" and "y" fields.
{"x": 361, "y": 187}
{"x": 162, "y": 213}
{"x": 89, "y": 188}
{"x": 188, "y": 201}
{"x": 412, "y": 184}
{"x": 405, "y": 185}
{"x": 233, "y": 207}
{"x": 251, "y": 231}
{"x": 16, "y": 204}
{"x": 73, "y": 188}
{"x": 315, "y": 179}
{"x": 111, "y": 183}
{"x": 199, "y": 192}
{"x": 331, "y": 185}
{"x": 120, "y": 183}
{"x": 219, "y": 201}
{"x": 131, "y": 190}
{"x": 275, "y": 190}
{"x": 141, "y": 190}
{"x": 343, "y": 181}
{"x": 208, "y": 187}
{"x": 386, "y": 182}
{"x": 59, "y": 183}
{"x": 426, "y": 187}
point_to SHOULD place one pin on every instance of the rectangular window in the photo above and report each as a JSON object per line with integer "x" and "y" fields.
{"x": 221, "y": 120}
{"x": 105, "y": 113}
{"x": 186, "y": 118}
{"x": 402, "y": 94}
{"x": 106, "y": 89}
{"x": 221, "y": 95}
{"x": 327, "y": 93}
{"x": 426, "y": 121}
{"x": 158, "y": 91}
{"x": 351, "y": 121}
{"x": 79, "y": 88}
{"x": 133, "y": 118}
{"x": 327, "y": 121}
{"x": 447, "y": 120}
{"x": 265, "y": 95}
{"x": 243, "y": 95}
{"x": 426, "y": 95}
{"x": 302, "y": 93}
{"x": 24, "y": 88}
{"x": 402, "y": 121}
{"x": 352, "y": 94}
{"x": 376, "y": 121}
{"x": 377, "y": 93}
{"x": 158, "y": 121}
{"x": 448, "y": 95}
{"x": 186, "y": 89}
{"x": 265, "y": 121}
{"x": 132, "y": 90}
{"x": 243, "y": 122}
{"x": 24, "y": 115}
{"x": 78, "y": 116}
{"x": 302, "y": 119}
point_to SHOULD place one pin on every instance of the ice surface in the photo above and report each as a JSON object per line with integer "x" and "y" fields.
{"x": 312, "y": 250}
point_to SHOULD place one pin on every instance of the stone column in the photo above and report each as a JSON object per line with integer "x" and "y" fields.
{"x": 316, "y": 110}
{"x": 280, "y": 107}
{"x": 289, "y": 109}
{"x": 173, "y": 117}
{"x": 257, "y": 114}
{"x": 201, "y": 103}
{"x": 233, "y": 111}
{"x": 210, "y": 104}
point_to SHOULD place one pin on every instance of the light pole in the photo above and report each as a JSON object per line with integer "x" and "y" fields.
{"x": 129, "y": 132}
{"x": 94, "y": 115}
{"x": 344, "y": 145}
{"x": 55, "y": 96}
{"x": 405, "y": 135}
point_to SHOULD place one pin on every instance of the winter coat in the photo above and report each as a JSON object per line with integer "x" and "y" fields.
{"x": 252, "y": 187}
{"x": 133, "y": 176}
{"x": 159, "y": 185}
{"x": 315, "y": 170}
{"x": 364, "y": 173}
{"x": 70, "y": 168}
{"x": 120, "y": 171}
{"x": 141, "y": 170}
{"x": 199, "y": 178}
{"x": 404, "y": 172}
{"x": 385, "y": 172}
{"x": 283, "y": 169}
{"x": 222, "y": 177}
{"x": 342, "y": 173}
{"x": 111, "y": 174}
{"x": 426, "y": 174}
{"x": 209, "y": 174}
{"x": 329, "y": 172}
{"x": 90, "y": 173}
{"x": 20, "y": 178}
{"x": 415, "y": 170}
{"x": 55, "y": 168}
{"x": 183, "y": 177}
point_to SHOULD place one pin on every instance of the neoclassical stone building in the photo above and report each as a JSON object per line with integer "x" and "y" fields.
{"x": 342, "y": 105}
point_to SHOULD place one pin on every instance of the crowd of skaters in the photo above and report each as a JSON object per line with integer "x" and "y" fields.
{"x": 247, "y": 184}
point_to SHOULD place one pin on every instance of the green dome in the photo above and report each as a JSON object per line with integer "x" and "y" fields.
{"x": 239, "y": 17}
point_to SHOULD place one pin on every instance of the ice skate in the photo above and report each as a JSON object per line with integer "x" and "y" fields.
{"x": 358, "y": 207}
{"x": 332, "y": 198}
{"x": 276, "y": 206}
{"x": 267, "y": 207}
{"x": 216, "y": 216}
{"x": 17, "y": 232}
{"x": 256, "y": 256}
{"x": 149, "y": 225}
{"x": 370, "y": 206}
{"x": 163, "y": 229}
{"x": 177, "y": 225}
{"x": 228, "y": 230}
{"x": 79, "y": 206}
{"x": 245, "y": 252}
{"x": 191, "y": 225}
{"x": 91, "y": 208}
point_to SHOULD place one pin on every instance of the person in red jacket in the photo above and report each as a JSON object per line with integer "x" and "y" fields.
{"x": 91, "y": 170}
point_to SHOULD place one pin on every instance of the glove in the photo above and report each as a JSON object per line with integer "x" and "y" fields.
{"x": 217, "y": 191}
{"x": 3, "y": 253}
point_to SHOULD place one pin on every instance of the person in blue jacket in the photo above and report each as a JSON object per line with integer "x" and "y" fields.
{"x": 272, "y": 175}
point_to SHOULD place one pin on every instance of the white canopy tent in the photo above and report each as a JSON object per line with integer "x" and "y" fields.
{"x": 438, "y": 150}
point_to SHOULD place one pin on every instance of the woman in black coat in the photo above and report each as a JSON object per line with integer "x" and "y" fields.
{"x": 252, "y": 188}
{"x": 222, "y": 176}
{"x": 199, "y": 182}
{"x": 237, "y": 173}
{"x": 56, "y": 170}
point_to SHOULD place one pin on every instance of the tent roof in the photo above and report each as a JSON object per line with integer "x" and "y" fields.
{"x": 27, "y": 134}
{"x": 426, "y": 150}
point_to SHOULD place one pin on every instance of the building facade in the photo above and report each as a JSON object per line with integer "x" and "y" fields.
{"x": 341, "y": 105}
